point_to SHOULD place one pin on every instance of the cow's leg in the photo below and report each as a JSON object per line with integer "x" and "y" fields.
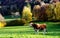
{"x": 37, "y": 31}
{"x": 44, "y": 31}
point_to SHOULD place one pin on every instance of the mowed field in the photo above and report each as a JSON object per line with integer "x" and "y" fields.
{"x": 53, "y": 29}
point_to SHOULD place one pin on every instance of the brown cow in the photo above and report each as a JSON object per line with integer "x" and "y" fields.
{"x": 38, "y": 27}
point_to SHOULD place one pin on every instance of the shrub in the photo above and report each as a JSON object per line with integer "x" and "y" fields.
{"x": 20, "y": 22}
{"x": 27, "y": 15}
{"x": 2, "y": 24}
{"x": 36, "y": 11}
{"x": 49, "y": 11}
{"x": 57, "y": 11}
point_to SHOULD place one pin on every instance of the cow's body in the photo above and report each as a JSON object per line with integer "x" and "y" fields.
{"x": 38, "y": 27}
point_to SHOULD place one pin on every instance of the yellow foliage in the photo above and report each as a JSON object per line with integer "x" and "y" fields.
{"x": 2, "y": 24}
{"x": 57, "y": 10}
{"x": 49, "y": 11}
{"x": 27, "y": 15}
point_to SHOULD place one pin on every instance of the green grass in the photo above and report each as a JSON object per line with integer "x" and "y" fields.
{"x": 53, "y": 29}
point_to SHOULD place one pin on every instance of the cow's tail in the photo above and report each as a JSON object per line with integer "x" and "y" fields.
{"x": 45, "y": 25}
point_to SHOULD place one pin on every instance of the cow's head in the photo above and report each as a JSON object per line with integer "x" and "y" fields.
{"x": 31, "y": 23}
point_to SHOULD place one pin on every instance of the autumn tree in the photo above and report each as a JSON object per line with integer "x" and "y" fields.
{"x": 26, "y": 14}
{"x": 57, "y": 10}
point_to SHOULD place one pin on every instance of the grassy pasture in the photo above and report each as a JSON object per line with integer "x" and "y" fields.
{"x": 53, "y": 29}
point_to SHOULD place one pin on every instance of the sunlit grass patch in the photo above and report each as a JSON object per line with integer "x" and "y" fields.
{"x": 28, "y": 36}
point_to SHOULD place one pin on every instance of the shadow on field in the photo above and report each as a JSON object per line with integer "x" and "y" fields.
{"x": 53, "y": 29}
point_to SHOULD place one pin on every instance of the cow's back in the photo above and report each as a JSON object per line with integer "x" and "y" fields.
{"x": 42, "y": 27}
